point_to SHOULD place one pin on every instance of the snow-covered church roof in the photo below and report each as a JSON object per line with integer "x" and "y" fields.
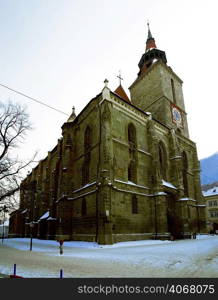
{"x": 211, "y": 192}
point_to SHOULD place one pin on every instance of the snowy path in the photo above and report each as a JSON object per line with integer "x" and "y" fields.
{"x": 184, "y": 258}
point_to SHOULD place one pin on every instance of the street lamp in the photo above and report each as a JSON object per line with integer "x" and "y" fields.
{"x": 31, "y": 235}
{"x": 4, "y": 209}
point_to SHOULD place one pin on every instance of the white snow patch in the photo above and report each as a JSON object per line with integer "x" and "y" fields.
{"x": 147, "y": 258}
{"x": 168, "y": 184}
{"x": 211, "y": 192}
{"x": 85, "y": 186}
{"x": 6, "y": 223}
{"x": 186, "y": 199}
{"x": 160, "y": 194}
{"x": 131, "y": 183}
{"x": 44, "y": 216}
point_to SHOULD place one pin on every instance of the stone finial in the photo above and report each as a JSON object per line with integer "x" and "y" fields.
{"x": 106, "y": 82}
{"x": 106, "y": 91}
{"x": 72, "y": 116}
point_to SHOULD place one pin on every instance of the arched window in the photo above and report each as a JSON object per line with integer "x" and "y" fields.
{"x": 179, "y": 131}
{"x": 86, "y": 163}
{"x": 85, "y": 173}
{"x": 162, "y": 160}
{"x": 68, "y": 140}
{"x": 87, "y": 139}
{"x": 132, "y": 169}
{"x": 173, "y": 91}
{"x": 184, "y": 173}
{"x": 134, "y": 204}
{"x": 189, "y": 212}
{"x": 84, "y": 207}
{"x": 131, "y": 134}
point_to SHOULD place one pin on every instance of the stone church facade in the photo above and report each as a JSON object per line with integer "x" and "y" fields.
{"x": 123, "y": 169}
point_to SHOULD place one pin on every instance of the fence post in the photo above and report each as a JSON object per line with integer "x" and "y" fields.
{"x": 15, "y": 267}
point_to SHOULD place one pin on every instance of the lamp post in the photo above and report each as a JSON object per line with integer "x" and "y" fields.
{"x": 4, "y": 209}
{"x": 32, "y": 210}
{"x": 31, "y": 235}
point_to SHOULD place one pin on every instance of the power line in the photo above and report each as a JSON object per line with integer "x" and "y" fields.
{"x": 33, "y": 99}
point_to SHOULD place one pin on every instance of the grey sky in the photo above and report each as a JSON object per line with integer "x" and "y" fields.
{"x": 61, "y": 51}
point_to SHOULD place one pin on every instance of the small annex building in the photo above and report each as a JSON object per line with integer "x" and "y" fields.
{"x": 211, "y": 201}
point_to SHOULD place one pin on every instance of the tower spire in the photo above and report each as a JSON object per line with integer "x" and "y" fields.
{"x": 150, "y": 43}
{"x": 149, "y": 32}
{"x": 151, "y": 55}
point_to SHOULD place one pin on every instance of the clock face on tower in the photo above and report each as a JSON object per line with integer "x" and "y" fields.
{"x": 177, "y": 116}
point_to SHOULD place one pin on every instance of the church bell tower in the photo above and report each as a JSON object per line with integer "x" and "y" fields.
{"x": 158, "y": 89}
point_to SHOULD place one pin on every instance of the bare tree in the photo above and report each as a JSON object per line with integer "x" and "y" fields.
{"x": 14, "y": 124}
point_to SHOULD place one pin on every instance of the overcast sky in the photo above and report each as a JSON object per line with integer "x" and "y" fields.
{"x": 60, "y": 52}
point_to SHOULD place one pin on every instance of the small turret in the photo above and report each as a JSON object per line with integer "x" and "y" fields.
{"x": 72, "y": 116}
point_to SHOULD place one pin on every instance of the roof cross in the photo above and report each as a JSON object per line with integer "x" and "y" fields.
{"x": 148, "y": 24}
{"x": 119, "y": 76}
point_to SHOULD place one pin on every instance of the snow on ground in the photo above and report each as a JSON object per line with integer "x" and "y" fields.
{"x": 149, "y": 258}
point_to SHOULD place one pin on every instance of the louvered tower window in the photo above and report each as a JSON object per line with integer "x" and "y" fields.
{"x": 173, "y": 91}
{"x": 184, "y": 173}
{"x": 162, "y": 160}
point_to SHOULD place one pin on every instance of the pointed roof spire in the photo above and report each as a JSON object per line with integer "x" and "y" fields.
{"x": 120, "y": 90}
{"x": 150, "y": 43}
{"x": 149, "y": 32}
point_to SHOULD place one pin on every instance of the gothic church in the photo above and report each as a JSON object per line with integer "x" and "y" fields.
{"x": 124, "y": 169}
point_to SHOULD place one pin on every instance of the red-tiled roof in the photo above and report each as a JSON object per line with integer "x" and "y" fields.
{"x": 120, "y": 91}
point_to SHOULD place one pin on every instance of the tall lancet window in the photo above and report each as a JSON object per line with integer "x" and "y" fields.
{"x": 87, "y": 139}
{"x": 85, "y": 173}
{"x": 87, "y": 154}
{"x": 131, "y": 134}
{"x": 185, "y": 173}
{"x": 134, "y": 204}
{"x": 162, "y": 160}
{"x": 132, "y": 168}
{"x": 173, "y": 91}
{"x": 84, "y": 207}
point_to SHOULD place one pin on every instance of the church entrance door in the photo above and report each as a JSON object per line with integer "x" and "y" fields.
{"x": 43, "y": 229}
{"x": 173, "y": 218}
